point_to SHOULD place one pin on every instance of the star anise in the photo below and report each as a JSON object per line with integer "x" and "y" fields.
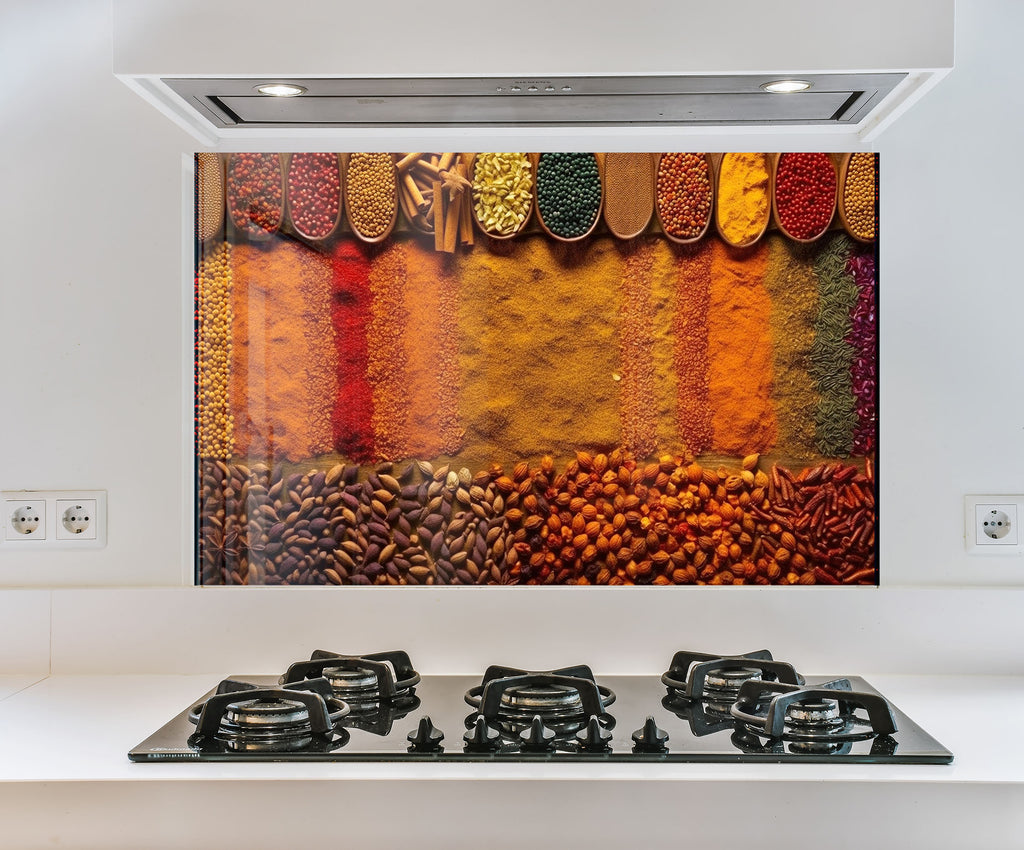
{"x": 223, "y": 546}
{"x": 454, "y": 182}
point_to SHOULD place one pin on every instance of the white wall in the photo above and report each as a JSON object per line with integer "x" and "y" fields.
{"x": 952, "y": 306}
{"x": 90, "y": 316}
{"x": 91, "y": 358}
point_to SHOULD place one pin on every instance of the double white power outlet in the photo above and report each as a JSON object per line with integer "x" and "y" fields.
{"x": 992, "y": 525}
{"x": 54, "y": 519}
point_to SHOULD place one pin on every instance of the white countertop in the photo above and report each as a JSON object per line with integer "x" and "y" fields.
{"x": 10, "y": 685}
{"x": 62, "y": 746}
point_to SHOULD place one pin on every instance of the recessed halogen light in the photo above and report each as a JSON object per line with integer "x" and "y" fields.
{"x": 786, "y": 86}
{"x": 280, "y": 89}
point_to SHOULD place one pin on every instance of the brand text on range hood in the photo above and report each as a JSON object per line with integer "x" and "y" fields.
{"x": 553, "y": 101}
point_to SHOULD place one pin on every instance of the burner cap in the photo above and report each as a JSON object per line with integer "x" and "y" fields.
{"x": 818, "y": 716}
{"x": 546, "y": 700}
{"x": 729, "y": 679}
{"x": 347, "y": 682}
{"x": 563, "y": 698}
{"x": 265, "y": 723}
{"x": 266, "y": 713}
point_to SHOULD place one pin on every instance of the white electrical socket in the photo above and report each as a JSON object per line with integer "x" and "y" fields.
{"x": 24, "y": 519}
{"x": 991, "y": 525}
{"x": 76, "y": 519}
{"x": 54, "y": 519}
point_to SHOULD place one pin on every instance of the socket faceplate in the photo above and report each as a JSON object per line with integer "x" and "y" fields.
{"x": 48, "y": 519}
{"x": 991, "y": 525}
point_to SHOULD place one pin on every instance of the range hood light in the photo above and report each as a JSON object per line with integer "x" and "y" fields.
{"x": 786, "y": 86}
{"x": 280, "y": 90}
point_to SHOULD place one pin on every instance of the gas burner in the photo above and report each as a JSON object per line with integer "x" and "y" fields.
{"x": 815, "y": 717}
{"x": 364, "y": 681}
{"x": 563, "y": 699}
{"x": 246, "y": 718}
{"x": 812, "y": 717}
{"x": 717, "y": 679}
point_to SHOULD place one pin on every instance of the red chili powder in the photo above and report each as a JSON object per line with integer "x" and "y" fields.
{"x": 352, "y": 421}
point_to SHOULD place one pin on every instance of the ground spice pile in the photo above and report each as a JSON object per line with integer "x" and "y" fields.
{"x": 540, "y": 334}
{"x": 386, "y": 358}
{"x": 214, "y": 318}
{"x": 663, "y": 300}
{"x": 743, "y": 203}
{"x": 321, "y": 364}
{"x": 352, "y": 418}
{"x": 690, "y": 346}
{"x": 432, "y": 352}
{"x": 629, "y": 192}
{"x": 791, "y": 283}
{"x": 831, "y": 354}
{"x": 740, "y": 352}
{"x": 636, "y": 344}
{"x": 277, "y": 404}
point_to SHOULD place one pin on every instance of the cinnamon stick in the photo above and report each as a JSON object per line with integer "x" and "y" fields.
{"x": 413, "y": 190}
{"x": 451, "y": 222}
{"x": 438, "y": 217}
{"x": 466, "y": 218}
{"x": 407, "y": 160}
{"x": 408, "y": 207}
{"x": 431, "y": 170}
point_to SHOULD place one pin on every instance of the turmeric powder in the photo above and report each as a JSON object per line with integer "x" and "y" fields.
{"x": 743, "y": 198}
{"x": 740, "y": 374}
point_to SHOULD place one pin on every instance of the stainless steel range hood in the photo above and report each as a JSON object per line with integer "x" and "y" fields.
{"x": 537, "y": 70}
{"x": 549, "y": 101}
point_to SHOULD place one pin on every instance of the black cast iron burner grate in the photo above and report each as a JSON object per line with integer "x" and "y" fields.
{"x": 718, "y": 678}
{"x": 385, "y": 677}
{"x": 245, "y": 717}
{"x": 826, "y": 713}
{"x": 380, "y": 687}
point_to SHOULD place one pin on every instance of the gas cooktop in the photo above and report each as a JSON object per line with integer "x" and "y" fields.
{"x": 704, "y": 708}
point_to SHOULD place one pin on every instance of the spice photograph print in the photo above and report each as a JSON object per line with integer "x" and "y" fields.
{"x": 536, "y": 368}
